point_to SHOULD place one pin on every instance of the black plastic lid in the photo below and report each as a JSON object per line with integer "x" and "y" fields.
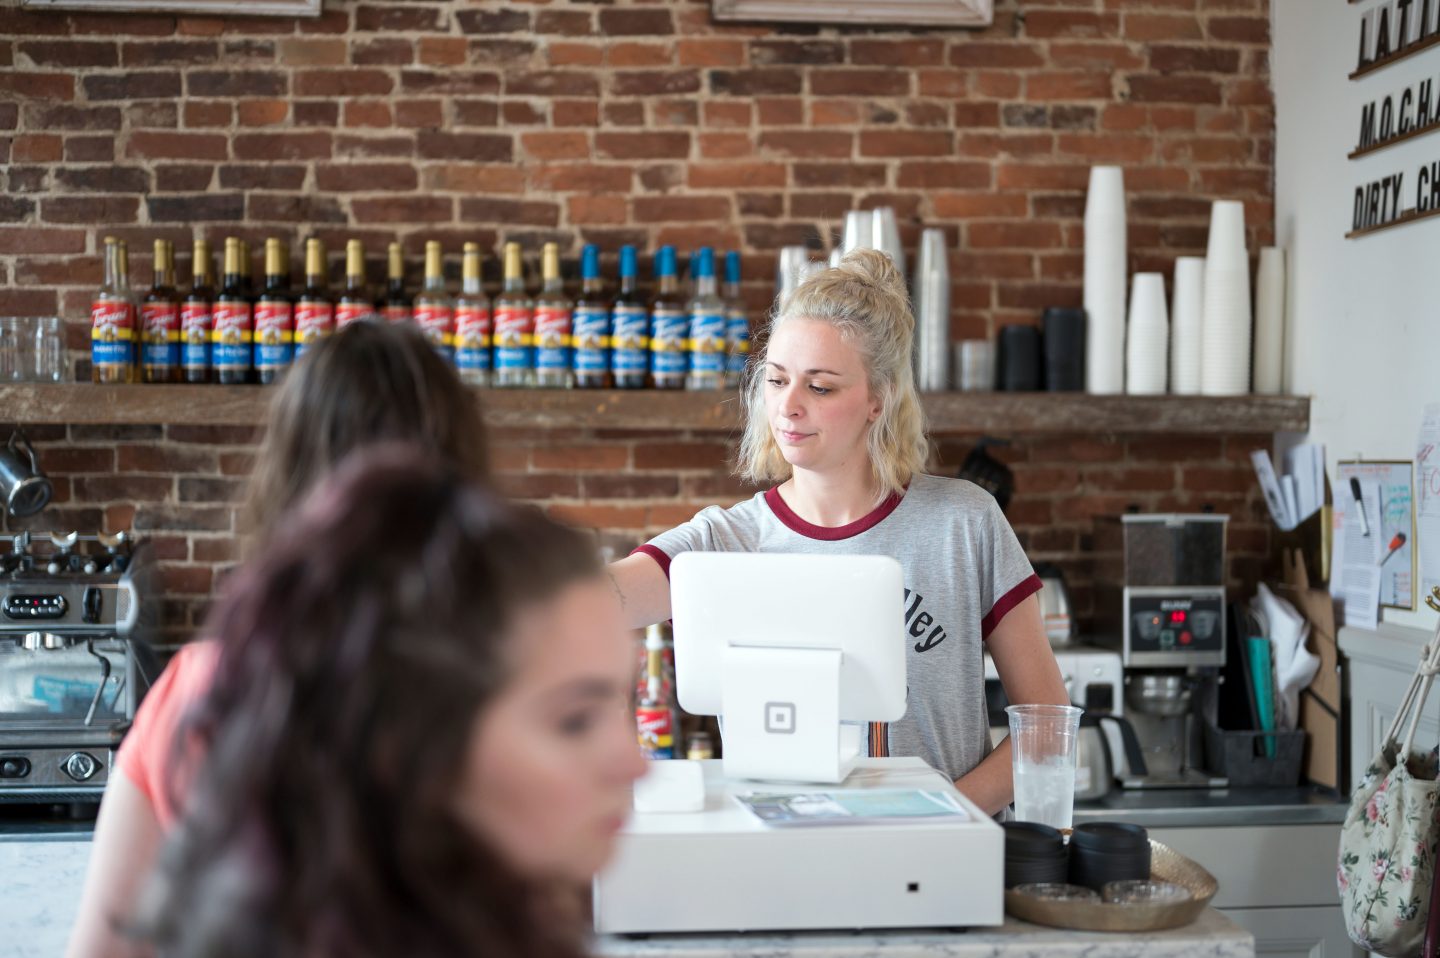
{"x": 1110, "y": 836}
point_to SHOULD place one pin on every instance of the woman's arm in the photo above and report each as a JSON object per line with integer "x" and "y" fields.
{"x": 643, "y": 590}
{"x": 127, "y": 837}
{"x": 1027, "y": 669}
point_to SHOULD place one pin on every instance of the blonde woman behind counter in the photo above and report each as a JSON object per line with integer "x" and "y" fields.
{"x": 833, "y": 417}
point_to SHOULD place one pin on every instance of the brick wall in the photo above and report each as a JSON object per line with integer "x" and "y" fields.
{"x": 176, "y": 485}
{"x": 621, "y": 123}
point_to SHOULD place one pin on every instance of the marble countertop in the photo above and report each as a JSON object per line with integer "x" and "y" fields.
{"x": 1212, "y": 935}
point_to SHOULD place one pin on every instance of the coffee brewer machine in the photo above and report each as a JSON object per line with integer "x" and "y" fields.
{"x": 1167, "y": 618}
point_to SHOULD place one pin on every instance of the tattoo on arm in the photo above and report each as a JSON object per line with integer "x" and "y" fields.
{"x": 615, "y": 584}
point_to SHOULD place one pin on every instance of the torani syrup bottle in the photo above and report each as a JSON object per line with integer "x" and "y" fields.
{"x": 707, "y": 326}
{"x": 514, "y": 326}
{"x": 160, "y": 321}
{"x": 434, "y": 309}
{"x": 274, "y": 316}
{"x": 396, "y": 306}
{"x": 553, "y": 315}
{"x": 196, "y": 322}
{"x": 590, "y": 336}
{"x": 233, "y": 321}
{"x": 737, "y": 324}
{"x": 629, "y": 329}
{"x": 669, "y": 326}
{"x": 314, "y": 311}
{"x": 354, "y": 303}
{"x": 112, "y": 320}
{"x": 472, "y": 322}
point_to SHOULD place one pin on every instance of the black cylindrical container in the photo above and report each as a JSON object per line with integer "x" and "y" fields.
{"x": 1102, "y": 852}
{"x": 1034, "y": 853}
{"x": 1064, "y": 347}
{"x": 1018, "y": 368}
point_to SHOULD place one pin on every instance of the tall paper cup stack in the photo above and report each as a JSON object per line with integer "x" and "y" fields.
{"x": 1225, "y": 344}
{"x": 1147, "y": 339}
{"x": 1269, "y": 320}
{"x": 1186, "y": 325}
{"x": 932, "y": 313}
{"x": 1105, "y": 281}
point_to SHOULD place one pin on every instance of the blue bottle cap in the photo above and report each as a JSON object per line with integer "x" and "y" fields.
{"x": 590, "y": 262}
{"x": 665, "y": 261}
{"x": 703, "y": 264}
{"x": 732, "y": 267}
{"x": 627, "y": 261}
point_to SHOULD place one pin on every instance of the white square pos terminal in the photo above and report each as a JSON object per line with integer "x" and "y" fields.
{"x": 785, "y": 649}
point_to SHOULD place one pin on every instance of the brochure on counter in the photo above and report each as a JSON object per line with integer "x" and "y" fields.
{"x": 859, "y": 807}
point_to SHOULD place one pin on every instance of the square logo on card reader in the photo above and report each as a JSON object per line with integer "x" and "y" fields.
{"x": 780, "y": 718}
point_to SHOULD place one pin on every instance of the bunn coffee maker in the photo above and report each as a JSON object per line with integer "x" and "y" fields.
{"x": 1167, "y": 618}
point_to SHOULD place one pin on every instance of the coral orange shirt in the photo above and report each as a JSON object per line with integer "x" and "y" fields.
{"x": 147, "y": 756}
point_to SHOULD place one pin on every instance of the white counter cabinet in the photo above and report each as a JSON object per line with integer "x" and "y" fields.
{"x": 1276, "y": 881}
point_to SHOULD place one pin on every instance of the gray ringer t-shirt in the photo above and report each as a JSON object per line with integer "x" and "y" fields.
{"x": 964, "y": 570}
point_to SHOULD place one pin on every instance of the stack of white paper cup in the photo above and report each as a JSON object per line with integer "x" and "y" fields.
{"x": 1225, "y": 344}
{"x": 1105, "y": 281}
{"x": 932, "y": 313}
{"x": 1186, "y": 325}
{"x": 885, "y": 231}
{"x": 859, "y": 231}
{"x": 1270, "y": 320}
{"x": 1147, "y": 338}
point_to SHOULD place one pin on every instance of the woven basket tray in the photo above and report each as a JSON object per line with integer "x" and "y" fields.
{"x": 1166, "y": 864}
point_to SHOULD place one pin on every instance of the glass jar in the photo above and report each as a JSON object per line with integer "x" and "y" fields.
{"x": 49, "y": 360}
{"x": 9, "y": 349}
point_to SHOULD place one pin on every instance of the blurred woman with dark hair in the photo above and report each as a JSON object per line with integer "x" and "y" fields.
{"x": 417, "y": 737}
{"x": 367, "y": 383}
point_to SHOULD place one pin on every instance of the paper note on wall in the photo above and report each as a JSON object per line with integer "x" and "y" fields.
{"x": 1427, "y": 498}
{"x": 1355, "y": 562}
{"x": 1397, "y": 526}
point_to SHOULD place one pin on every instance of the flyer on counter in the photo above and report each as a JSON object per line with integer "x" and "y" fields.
{"x": 851, "y": 807}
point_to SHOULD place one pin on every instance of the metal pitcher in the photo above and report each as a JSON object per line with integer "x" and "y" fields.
{"x": 25, "y": 488}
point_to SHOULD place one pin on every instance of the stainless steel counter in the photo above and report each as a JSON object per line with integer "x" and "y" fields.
{"x": 1197, "y": 808}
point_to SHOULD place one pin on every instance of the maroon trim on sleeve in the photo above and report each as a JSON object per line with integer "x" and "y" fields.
{"x": 792, "y": 521}
{"x": 659, "y": 556}
{"x": 1008, "y": 601}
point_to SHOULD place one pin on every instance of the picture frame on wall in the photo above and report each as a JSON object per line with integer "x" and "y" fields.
{"x": 935, "y": 13}
{"x": 249, "y": 8}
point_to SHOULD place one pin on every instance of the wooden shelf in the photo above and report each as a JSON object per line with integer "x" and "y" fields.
{"x": 948, "y": 413}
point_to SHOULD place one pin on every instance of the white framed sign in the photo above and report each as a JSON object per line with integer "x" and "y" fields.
{"x": 939, "y": 13}
{"x": 249, "y": 8}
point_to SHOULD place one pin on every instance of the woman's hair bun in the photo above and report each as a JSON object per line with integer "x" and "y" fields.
{"x": 876, "y": 269}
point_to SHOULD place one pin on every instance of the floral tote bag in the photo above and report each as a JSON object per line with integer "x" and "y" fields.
{"x": 1388, "y": 842}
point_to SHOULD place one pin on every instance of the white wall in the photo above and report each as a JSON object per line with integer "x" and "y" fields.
{"x": 1363, "y": 315}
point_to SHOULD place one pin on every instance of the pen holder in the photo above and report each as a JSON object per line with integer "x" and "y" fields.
{"x": 1311, "y": 538}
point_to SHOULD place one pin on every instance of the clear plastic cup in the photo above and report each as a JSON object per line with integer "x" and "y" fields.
{"x": 1043, "y": 740}
{"x": 974, "y": 365}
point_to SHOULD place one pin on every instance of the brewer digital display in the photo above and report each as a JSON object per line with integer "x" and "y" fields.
{"x": 1174, "y": 627}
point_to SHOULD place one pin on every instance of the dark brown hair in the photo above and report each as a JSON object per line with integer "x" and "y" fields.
{"x": 369, "y": 382}
{"x": 356, "y": 652}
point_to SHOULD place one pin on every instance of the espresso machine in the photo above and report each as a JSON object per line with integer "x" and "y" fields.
{"x": 75, "y": 613}
{"x": 1166, "y": 617}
